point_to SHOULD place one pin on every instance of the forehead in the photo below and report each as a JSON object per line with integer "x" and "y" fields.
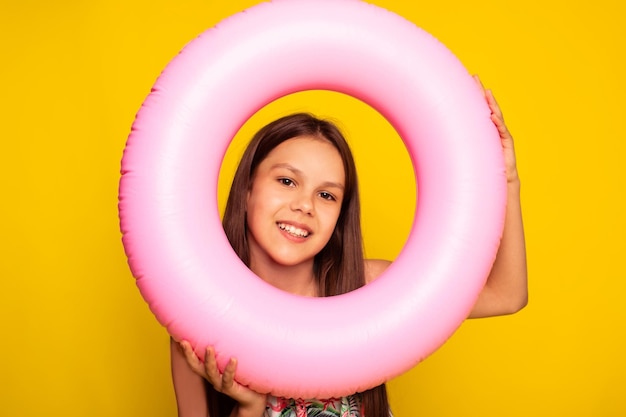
{"x": 307, "y": 154}
{"x": 310, "y": 143}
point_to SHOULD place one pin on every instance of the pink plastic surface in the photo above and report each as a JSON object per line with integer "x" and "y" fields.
{"x": 185, "y": 268}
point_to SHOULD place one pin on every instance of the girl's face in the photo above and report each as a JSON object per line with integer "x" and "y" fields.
{"x": 294, "y": 202}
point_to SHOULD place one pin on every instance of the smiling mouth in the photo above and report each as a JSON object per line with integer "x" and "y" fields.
{"x": 294, "y": 231}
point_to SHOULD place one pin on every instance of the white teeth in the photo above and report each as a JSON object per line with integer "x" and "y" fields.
{"x": 293, "y": 230}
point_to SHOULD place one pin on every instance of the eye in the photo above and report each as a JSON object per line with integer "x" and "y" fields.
{"x": 286, "y": 181}
{"x": 327, "y": 196}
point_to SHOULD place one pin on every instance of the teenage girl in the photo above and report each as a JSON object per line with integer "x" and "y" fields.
{"x": 293, "y": 217}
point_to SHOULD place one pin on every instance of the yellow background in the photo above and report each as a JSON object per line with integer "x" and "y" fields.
{"x": 78, "y": 340}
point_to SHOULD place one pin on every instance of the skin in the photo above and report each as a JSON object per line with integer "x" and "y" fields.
{"x": 296, "y": 193}
{"x": 299, "y": 187}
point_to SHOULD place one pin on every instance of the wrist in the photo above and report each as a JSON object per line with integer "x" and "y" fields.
{"x": 248, "y": 410}
{"x": 512, "y": 179}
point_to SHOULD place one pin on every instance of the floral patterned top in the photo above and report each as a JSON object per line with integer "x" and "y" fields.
{"x": 334, "y": 407}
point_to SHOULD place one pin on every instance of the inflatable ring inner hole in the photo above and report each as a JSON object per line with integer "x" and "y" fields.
{"x": 387, "y": 185}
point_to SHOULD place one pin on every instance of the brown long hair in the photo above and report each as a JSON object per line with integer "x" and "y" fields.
{"x": 339, "y": 267}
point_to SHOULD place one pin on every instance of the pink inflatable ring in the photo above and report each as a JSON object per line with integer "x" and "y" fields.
{"x": 185, "y": 268}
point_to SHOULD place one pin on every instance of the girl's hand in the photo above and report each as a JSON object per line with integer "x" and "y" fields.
{"x": 250, "y": 403}
{"x": 505, "y": 136}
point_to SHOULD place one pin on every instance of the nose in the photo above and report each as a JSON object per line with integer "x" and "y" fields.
{"x": 303, "y": 202}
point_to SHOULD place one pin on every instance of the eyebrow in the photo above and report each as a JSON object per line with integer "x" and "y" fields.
{"x": 296, "y": 171}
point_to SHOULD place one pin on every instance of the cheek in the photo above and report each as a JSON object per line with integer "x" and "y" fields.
{"x": 331, "y": 216}
{"x": 252, "y": 210}
{"x": 261, "y": 207}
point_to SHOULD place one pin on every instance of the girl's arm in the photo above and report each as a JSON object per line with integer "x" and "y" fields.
{"x": 189, "y": 373}
{"x": 188, "y": 385}
{"x": 506, "y": 290}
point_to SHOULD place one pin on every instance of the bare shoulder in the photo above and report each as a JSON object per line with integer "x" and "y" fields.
{"x": 375, "y": 267}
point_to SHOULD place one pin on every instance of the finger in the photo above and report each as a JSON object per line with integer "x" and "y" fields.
{"x": 498, "y": 121}
{"x": 192, "y": 358}
{"x": 228, "y": 377}
{"x": 493, "y": 104}
{"x": 503, "y": 131}
{"x": 211, "y": 369}
{"x": 479, "y": 83}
